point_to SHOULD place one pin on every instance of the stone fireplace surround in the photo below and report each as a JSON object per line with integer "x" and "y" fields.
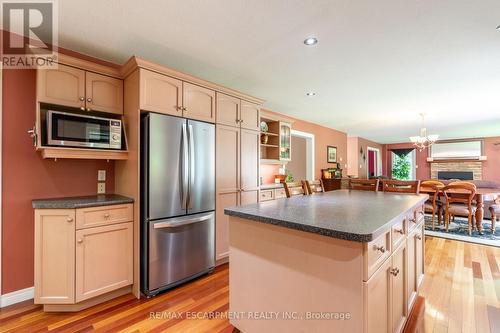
{"x": 475, "y": 167}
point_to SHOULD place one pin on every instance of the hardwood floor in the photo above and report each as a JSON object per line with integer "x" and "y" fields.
{"x": 462, "y": 280}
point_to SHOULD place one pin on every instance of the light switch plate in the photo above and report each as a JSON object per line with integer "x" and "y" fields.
{"x": 101, "y": 175}
{"x": 101, "y": 188}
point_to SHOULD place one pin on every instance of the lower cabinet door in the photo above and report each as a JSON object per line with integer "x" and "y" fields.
{"x": 104, "y": 259}
{"x": 398, "y": 289}
{"x": 378, "y": 300}
{"x": 224, "y": 200}
{"x": 419, "y": 256}
{"x": 412, "y": 268}
{"x": 54, "y": 256}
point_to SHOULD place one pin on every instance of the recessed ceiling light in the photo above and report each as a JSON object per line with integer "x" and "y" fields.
{"x": 311, "y": 41}
{"x": 311, "y": 93}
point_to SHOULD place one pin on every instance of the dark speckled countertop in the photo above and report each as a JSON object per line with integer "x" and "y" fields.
{"x": 352, "y": 215}
{"x": 81, "y": 202}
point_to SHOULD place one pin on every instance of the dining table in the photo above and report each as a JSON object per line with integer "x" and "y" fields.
{"x": 482, "y": 195}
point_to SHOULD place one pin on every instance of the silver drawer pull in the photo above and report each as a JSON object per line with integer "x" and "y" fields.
{"x": 379, "y": 248}
{"x": 69, "y": 219}
{"x": 419, "y": 237}
{"x": 80, "y": 240}
{"x": 395, "y": 271}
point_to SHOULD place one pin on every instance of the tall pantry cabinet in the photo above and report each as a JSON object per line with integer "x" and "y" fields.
{"x": 237, "y": 162}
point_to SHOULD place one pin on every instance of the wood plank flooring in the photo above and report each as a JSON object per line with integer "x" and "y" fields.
{"x": 461, "y": 287}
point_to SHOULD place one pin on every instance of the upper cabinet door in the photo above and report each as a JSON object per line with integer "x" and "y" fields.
{"x": 228, "y": 110}
{"x": 103, "y": 93}
{"x": 62, "y": 86}
{"x": 198, "y": 102}
{"x": 249, "y": 117}
{"x": 160, "y": 93}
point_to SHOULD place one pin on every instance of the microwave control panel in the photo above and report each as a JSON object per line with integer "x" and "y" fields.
{"x": 115, "y": 134}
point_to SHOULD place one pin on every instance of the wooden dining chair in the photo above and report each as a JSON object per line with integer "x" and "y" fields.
{"x": 364, "y": 184}
{"x": 459, "y": 198}
{"x": 314, "y": 186}
{"x": 433, "y": 205}
{"x": 401, "y": 186}
{"x": 494, "y": 210}
{"x": 296, "y": 188}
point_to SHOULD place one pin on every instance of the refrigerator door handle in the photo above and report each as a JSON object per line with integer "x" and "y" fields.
{"x": 191, "y": 163}
{"x": 183, "y": 221}
{"x": 185, "y": 167}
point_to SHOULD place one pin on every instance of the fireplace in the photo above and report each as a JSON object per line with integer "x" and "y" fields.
{"x": 462, "y": 175}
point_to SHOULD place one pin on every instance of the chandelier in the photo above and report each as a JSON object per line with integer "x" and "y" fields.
{"x": 423, "y": 140}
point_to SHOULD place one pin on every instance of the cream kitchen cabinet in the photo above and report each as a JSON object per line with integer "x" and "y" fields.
{"x": 198, "y": 102}
{"x": 232, "y": 111}
{"x": 415, "y": 252}
{"x": 81, "y": 254}
{"x": 77, "y": 88}
{"x": 237, "y": 177}
{"x": 168, "y": 95}
{"x": 103, "y": 259}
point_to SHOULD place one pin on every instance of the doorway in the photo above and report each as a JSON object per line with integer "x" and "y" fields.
{"x": 302, "y": 164}
{"x": 374, "y": 168}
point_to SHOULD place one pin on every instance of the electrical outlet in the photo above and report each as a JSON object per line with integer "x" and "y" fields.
{"x": 101, "y": 188}
{"x": 101, "y": 175}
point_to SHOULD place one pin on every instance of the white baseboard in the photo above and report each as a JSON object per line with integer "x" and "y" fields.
{"x": 17, "y": 296}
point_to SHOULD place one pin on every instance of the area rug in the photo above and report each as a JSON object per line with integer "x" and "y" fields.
{"x": 458, "y": 231}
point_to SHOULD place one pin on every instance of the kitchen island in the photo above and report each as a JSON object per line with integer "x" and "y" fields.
{"x": 342, "y": 261}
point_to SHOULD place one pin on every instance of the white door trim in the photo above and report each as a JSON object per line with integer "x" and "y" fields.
{"x": 310, "y": 154}
{"x": 379, "y": 162}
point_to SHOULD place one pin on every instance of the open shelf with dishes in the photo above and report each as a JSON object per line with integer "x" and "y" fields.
{"x": 275, "y": 140}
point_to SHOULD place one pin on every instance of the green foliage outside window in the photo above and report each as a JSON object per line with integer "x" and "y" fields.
{"x": 401, "y": 167}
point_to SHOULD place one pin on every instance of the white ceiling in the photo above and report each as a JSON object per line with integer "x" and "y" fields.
{"x": 377, "y": 65}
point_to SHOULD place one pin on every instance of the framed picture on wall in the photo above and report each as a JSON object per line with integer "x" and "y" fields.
{"x": 331, "y": 154}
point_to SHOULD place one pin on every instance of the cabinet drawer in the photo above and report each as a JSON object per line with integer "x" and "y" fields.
{"x": 415, "y": 217}
{"x": 279, "y": 193}
{"x": 266, "y": 195}
{"x": 97, "y": 216}
{"x": 375, "y": 253}
{"x": 398, "y": 233}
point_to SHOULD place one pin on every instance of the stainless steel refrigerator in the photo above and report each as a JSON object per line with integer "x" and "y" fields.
{"x": 177, "y": 201}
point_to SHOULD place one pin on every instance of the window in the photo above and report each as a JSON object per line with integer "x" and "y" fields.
{"x": 403, "y": 166}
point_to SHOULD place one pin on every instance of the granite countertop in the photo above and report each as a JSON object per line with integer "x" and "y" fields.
{"x": 271, "y": 186}
{"x": 81, "y": 202}
{"x": 359, "y": 216}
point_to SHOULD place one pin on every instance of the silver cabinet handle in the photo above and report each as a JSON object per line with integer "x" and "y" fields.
{"x": 400, "y": 231}
{"x": 412, "y": 220}
{"x": 178, "y": 222}
{"x": 395, "y": 271}
{"x": 82, "y": 99}
{"x": 380, "y": 248}
{"x": 82, "y": 108}
{"x": 419, "y": 237}
{"x": 80, "y": 240}
{"x": 191, "y": 163}
{"x": 69, "y": 219}
{"x": 185, "y": 166}
{"x": 89, "y": 99}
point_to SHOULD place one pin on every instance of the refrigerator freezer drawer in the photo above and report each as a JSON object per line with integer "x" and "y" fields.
{"x": 180, "y": 248}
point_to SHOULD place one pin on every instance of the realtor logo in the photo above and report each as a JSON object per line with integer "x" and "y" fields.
{"x": 29, "y": 34}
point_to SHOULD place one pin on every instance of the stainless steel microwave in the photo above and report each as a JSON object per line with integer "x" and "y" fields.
{"x": 75, "y": 130}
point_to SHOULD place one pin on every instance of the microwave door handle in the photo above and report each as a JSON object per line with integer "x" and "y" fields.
{"x": 191, "y": 164}
{"x": 185, "y": 166}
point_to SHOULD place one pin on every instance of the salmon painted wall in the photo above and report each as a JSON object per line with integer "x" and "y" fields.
{"x": 27, "y": 176}
{"x": 323, "y": 137}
